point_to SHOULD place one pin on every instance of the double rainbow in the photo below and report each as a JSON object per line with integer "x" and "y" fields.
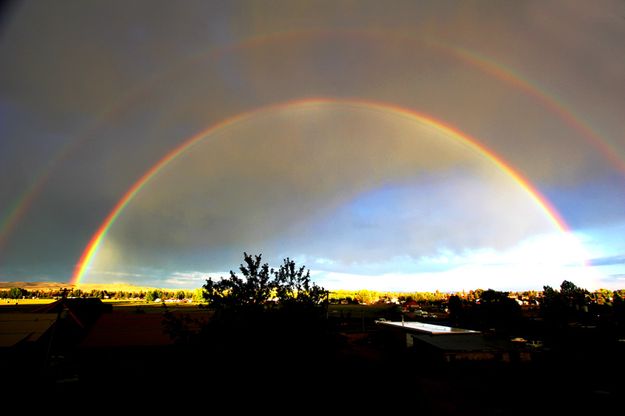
{"x": 20, "y": 206}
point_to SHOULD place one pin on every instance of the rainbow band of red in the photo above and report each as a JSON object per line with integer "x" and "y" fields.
{"x": 91, "y": 249}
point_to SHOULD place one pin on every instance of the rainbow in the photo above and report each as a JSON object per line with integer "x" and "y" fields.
{"x": 91, "y": 249}
{"x": 22, "y": 204}
{"x": 17, "y": 211}
{"x": 548, "y": 101}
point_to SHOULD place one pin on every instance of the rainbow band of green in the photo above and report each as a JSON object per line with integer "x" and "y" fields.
{"x": 91, "y": 249}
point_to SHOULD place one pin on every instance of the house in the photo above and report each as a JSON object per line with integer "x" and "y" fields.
{"x": 83, "y": 312}
{"x": 409, "y": 305}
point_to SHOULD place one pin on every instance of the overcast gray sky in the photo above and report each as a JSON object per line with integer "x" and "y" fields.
{"x": 337, "y": 133}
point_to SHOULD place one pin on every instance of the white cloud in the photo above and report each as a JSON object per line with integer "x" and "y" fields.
{"x": 537, "y": 261}
{"x": 193, "y": 278}
{"x": 502, "y": 277}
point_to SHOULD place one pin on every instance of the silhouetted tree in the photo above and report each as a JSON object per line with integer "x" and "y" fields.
{"x": 294, "y": 287}
{"x": 559, "y": 307}
{"x": 498, "y": 310}
{"x": 575, "y": 297}
{"x": 264, "y": 310}
{"x": 619, "y": 311}
{"x": 454, "y": 306}
{"x": 241, "y": 295}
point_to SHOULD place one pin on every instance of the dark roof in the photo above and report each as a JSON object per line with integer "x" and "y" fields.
{"x": 122, "y": 329}
{"x": 71, "y": 303}
{"x": 84, "y": 311}
{"x": 23, "y": 327}
{"x": 454, "y": 343}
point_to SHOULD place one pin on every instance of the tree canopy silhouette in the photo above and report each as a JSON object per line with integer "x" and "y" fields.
{"x": 569, "y": 303}
{"x": 262, "y": 289}
{"x": 261, "y": 311}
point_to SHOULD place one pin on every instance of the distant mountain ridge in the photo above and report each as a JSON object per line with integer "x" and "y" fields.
{"x": 112, "y": 287}
{"x": 35, "y": 285}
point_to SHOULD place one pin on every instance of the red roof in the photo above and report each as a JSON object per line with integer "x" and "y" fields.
{"x": 125, "y": 329}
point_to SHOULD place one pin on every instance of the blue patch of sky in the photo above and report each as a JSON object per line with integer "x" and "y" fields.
{"x": 601, "y": 204}
{"x": 608, "y": 261}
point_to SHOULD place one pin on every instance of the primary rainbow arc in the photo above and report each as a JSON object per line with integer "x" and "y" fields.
{"x": 91, "y": 249}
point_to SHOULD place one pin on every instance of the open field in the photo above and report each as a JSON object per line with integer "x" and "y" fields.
{"x": 13, "y": 302}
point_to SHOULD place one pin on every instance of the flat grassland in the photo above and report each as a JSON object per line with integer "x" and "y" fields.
{"x": 344, "y": 311}
{"x": 13, "y": 302}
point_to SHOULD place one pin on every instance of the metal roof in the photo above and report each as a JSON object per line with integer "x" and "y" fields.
{"x": 431, "y": 329}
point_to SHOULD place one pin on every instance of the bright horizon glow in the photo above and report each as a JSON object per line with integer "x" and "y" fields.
{"x": 530, "y": 265}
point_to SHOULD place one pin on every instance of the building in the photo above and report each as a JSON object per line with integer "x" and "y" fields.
{"x": 449, "y": 344}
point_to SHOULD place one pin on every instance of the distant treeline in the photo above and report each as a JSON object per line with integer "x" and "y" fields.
{"x": 370, "y": 297}
{"x": 527, "y": 297}
{"x": 147, "y": 295}
{"x": 557, "y": 308}
{"x": 367, "y": 297}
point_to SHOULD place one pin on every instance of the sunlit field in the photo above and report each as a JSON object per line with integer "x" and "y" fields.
{"x": 13, "y": 302}
{"x": 335, "y": 311}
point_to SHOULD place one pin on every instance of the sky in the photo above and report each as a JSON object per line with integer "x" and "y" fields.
{"x": 404, "y": 146}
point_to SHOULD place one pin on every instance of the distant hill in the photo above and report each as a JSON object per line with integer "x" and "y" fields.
{"x": 36, "y": 285}
{"x": 110, "y": 287}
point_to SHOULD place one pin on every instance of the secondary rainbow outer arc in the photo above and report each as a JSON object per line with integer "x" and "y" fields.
{"x": 483, "y": 63}
{"x": 17, "y": 211}
{"x": 92, "y": 247}
{"x": 548, "y": 101}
